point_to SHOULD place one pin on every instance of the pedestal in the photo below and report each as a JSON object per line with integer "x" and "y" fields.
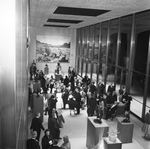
{"x": 112, "y": 145}
{"x": 95, "y": 132}
{"x": 121, "y": 109}
{"x": 46, "y": 70}
{"x": 125, "y": 131}
{"x": 57, "y": 77}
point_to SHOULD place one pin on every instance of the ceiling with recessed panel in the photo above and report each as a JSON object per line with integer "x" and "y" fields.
{"x": 79, "y": 13}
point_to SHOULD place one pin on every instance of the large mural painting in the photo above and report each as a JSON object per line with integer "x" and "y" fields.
{"x": 52, "y": 49}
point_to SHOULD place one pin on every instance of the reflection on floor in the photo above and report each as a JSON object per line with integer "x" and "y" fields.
{"x": 75, "y": 127}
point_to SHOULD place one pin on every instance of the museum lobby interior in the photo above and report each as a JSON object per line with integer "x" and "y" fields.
{"x": 109, "y": 43}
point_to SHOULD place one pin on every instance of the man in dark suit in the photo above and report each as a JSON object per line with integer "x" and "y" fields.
{"x": 36, "y": 125}
{"x": 66, "y": 81}
{"x": 77, "y": 96}
{"x": 53, "y": 125}
{"x": 93, "y": 88}
{"x": 91, "y": 104}
{"x": 111, "y": 110}
{"x": 33, "y": 142}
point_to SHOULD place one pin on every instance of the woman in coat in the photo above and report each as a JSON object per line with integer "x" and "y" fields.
{"x": 46, "y": 140}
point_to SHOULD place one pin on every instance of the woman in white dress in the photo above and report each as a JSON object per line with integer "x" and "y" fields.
{"x": 59, "y": 104}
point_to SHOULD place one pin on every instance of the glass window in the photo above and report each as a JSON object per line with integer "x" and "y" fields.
{"x": 96, "y": 42}
{"x": 148, "y": 95}
{"x": 84, "y": 68}
{"x": 121, "y": 78}
{"x": 91, "y": 41}
{"x": 78, "y": 42}
{"x": 100, "y": 73}
{"x": 140, "y": 56}
{"x": 80, "y": 66}
{"x": 104, "y": 50}
{"x": 124, "y": 51}
{"x": 86, "y": 33}
{"x": 94, "y": 74}
{"x": 142, "y": 26}
{"x": 89, "y": 69}
{"x": 137, "y": 91}
{"x": 104, "y": 42}
{"x": 76, "y": 63}
{"x": 82, "y": 42}
{"x": 112, "y": 51}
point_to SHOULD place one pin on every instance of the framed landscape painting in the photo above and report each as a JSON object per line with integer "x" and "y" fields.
{"x": 52, "y": 49}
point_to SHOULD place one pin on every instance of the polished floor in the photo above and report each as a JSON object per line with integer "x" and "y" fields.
{"x": 76, "y": 127}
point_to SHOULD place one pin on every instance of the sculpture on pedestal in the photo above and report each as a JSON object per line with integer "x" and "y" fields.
{"x": 127, "y": 117}
{"x": 99, "y": 114}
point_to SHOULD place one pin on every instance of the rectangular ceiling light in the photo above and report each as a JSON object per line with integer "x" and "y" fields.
{"x": 79, "y": 11}
{"x": 64, "y": 21}
{"x": 48, "y": 25}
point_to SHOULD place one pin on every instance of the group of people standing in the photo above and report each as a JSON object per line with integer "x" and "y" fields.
{"x": 54, "y": 95}
{"x": 77, "y": 94}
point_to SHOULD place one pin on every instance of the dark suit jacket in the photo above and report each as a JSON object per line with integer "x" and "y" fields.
{"x": 32, "y": 144}
{"x": 55, "y": 147}
{"x": 36, "y": 125}
{"x": 91, "y": 105}
{"x": 53, "y": 126}
{"x": 45, "y": 142}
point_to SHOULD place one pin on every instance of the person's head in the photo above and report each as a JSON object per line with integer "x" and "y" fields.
{"x": 55, "y": 141}
{"x": 34, "y": 134}
{"x": 77, "y": 90}
{"x": 38, "y": 114}
{"x": 89, "y": 94}
{"x": 52, "y": 96}
{"x": 38, "y": 90}
{"x": 47, "y": 132}
{"x": 66, "y": 138}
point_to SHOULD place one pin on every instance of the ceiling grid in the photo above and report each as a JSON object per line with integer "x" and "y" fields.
{"x": 42, "y": 10}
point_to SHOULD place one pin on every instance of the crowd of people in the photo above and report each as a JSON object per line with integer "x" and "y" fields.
{"x": 75, "y": 94}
